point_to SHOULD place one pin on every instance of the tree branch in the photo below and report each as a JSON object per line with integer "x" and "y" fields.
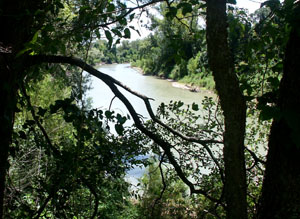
{"x": 127, "y": 13}
{"x": 255, "y": 158}
{"x": 111, "y": 83}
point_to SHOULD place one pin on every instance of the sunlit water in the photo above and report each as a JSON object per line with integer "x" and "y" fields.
{"x": 158, "y": 89}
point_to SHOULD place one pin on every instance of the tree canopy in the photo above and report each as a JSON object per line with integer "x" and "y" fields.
{"x": 58, "y": 156}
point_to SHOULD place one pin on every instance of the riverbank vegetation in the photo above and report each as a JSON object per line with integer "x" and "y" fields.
{"x": 234, "y": 157}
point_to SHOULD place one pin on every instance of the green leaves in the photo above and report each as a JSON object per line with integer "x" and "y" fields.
{"x": 119, "y": 125}
{"x": 109, "y": 114}
{"x": 274, "y": 82}
{"x": 172, "y": 11}
{"x": 127, "y": 33}
{"x": 22, "y": 135}
{"x": 111, "y": 7}
{"x": 195, "y": 107}
{"x": 121, "y": 119}
{"x": 267, "y": 106}
{"x": 30, "y": 46}
{"x": 116, "y": 32}
{"x": 269, "y": 112}
{"x": 108, "y": 37}
{"x": 185, "y": 7}
{"x": 122, "y": 21}
{"x": 131, "y": 17}
{"x": 119, "y": 129}
{"x": 41, "y": 112}
{"x": 272, "y": 4}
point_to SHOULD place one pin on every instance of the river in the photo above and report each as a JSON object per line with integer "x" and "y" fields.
{"x": 158, "y": 89}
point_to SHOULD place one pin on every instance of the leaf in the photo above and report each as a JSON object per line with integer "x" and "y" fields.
{"x": 172, "y": 12}
{"x": 249, "y": 98}
{"x": 121, "y": 119}
{"x": 86, "y": 133}
{"x": 109, "y": 37}
{"x": 278, "y": 67}
{"x": 131, "y": 17}
{"x": 98, "y": 34}
{"x": 59, "y": 4}
{"x": 87, "y": 34}
{"x": 274, "y": 81}
{"x": 111, "y": 7}
{"x": 195, "y": 107}
{"x": 186, "y": 7}
{"x": 29, "y": 46}
{"x": 127, "y": 33}
{"x": 272, "y": 4}
{"x": 35, "y": 37}
{"x": 231, "y": 2}
{"x": 42, "y": 111}
{"x": 119, "y": 129}
{"x": 269, "y": 112}
{"x": 123, "y": 21}
{"x": 117, "y": 32}
{"x": 22, "y": 135}
{"x": 108, "y": 114}
{"x": 179, "y": 104}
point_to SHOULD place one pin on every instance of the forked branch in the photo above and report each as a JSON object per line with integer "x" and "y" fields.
{"x": 111, "y": 83}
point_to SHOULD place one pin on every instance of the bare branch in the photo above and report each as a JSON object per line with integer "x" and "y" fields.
{"x": 255, "y": 158}
{"x": 112, "y": 100}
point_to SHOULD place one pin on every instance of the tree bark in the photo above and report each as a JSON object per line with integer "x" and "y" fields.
{"x": 281, "y": 192}
{"x": 233, "y": 106}
{"x": 7, "y": 109}
{"x": 16, "y": 23}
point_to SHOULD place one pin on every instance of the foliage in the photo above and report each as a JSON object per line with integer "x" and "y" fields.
{"x": 80, "y": 172}
{"x": 167, "y": 52}
{"x": 174, "y": 201}
{"x": 64, "y": 160}
{"x": 201, "y": 163}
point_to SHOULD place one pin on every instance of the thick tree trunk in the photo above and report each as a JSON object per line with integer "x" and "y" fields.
{"x": 16, "y": 21}
{"x": 281, "y": 187}
{"x": 233, "y": 106}
{"x": 7, "y": 109}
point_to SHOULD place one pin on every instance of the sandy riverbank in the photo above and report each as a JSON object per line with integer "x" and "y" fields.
{"x": 176, "y": 83}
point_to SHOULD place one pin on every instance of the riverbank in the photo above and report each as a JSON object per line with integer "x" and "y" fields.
{"x": 177, "y": 84}
{"x": 186, "y": 86}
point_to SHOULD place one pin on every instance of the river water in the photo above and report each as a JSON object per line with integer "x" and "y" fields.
{"x": 158, "y": 89}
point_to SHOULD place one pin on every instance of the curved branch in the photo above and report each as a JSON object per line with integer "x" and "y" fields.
{"x": 111, "y": 83}
{"x": 255, "y": 158}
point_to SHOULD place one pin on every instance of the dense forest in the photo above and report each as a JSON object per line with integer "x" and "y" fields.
{"x": 234, "y": 157}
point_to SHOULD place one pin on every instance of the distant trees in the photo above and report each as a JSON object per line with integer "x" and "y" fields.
{"x": 247, "y": 65}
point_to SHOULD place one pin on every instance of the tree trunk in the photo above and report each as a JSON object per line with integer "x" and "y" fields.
{"x": 16, "y": 23}
{"x": 7, "y": 109}
{"x": 281, "y": 187}
{"x": 233, "y": 106}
